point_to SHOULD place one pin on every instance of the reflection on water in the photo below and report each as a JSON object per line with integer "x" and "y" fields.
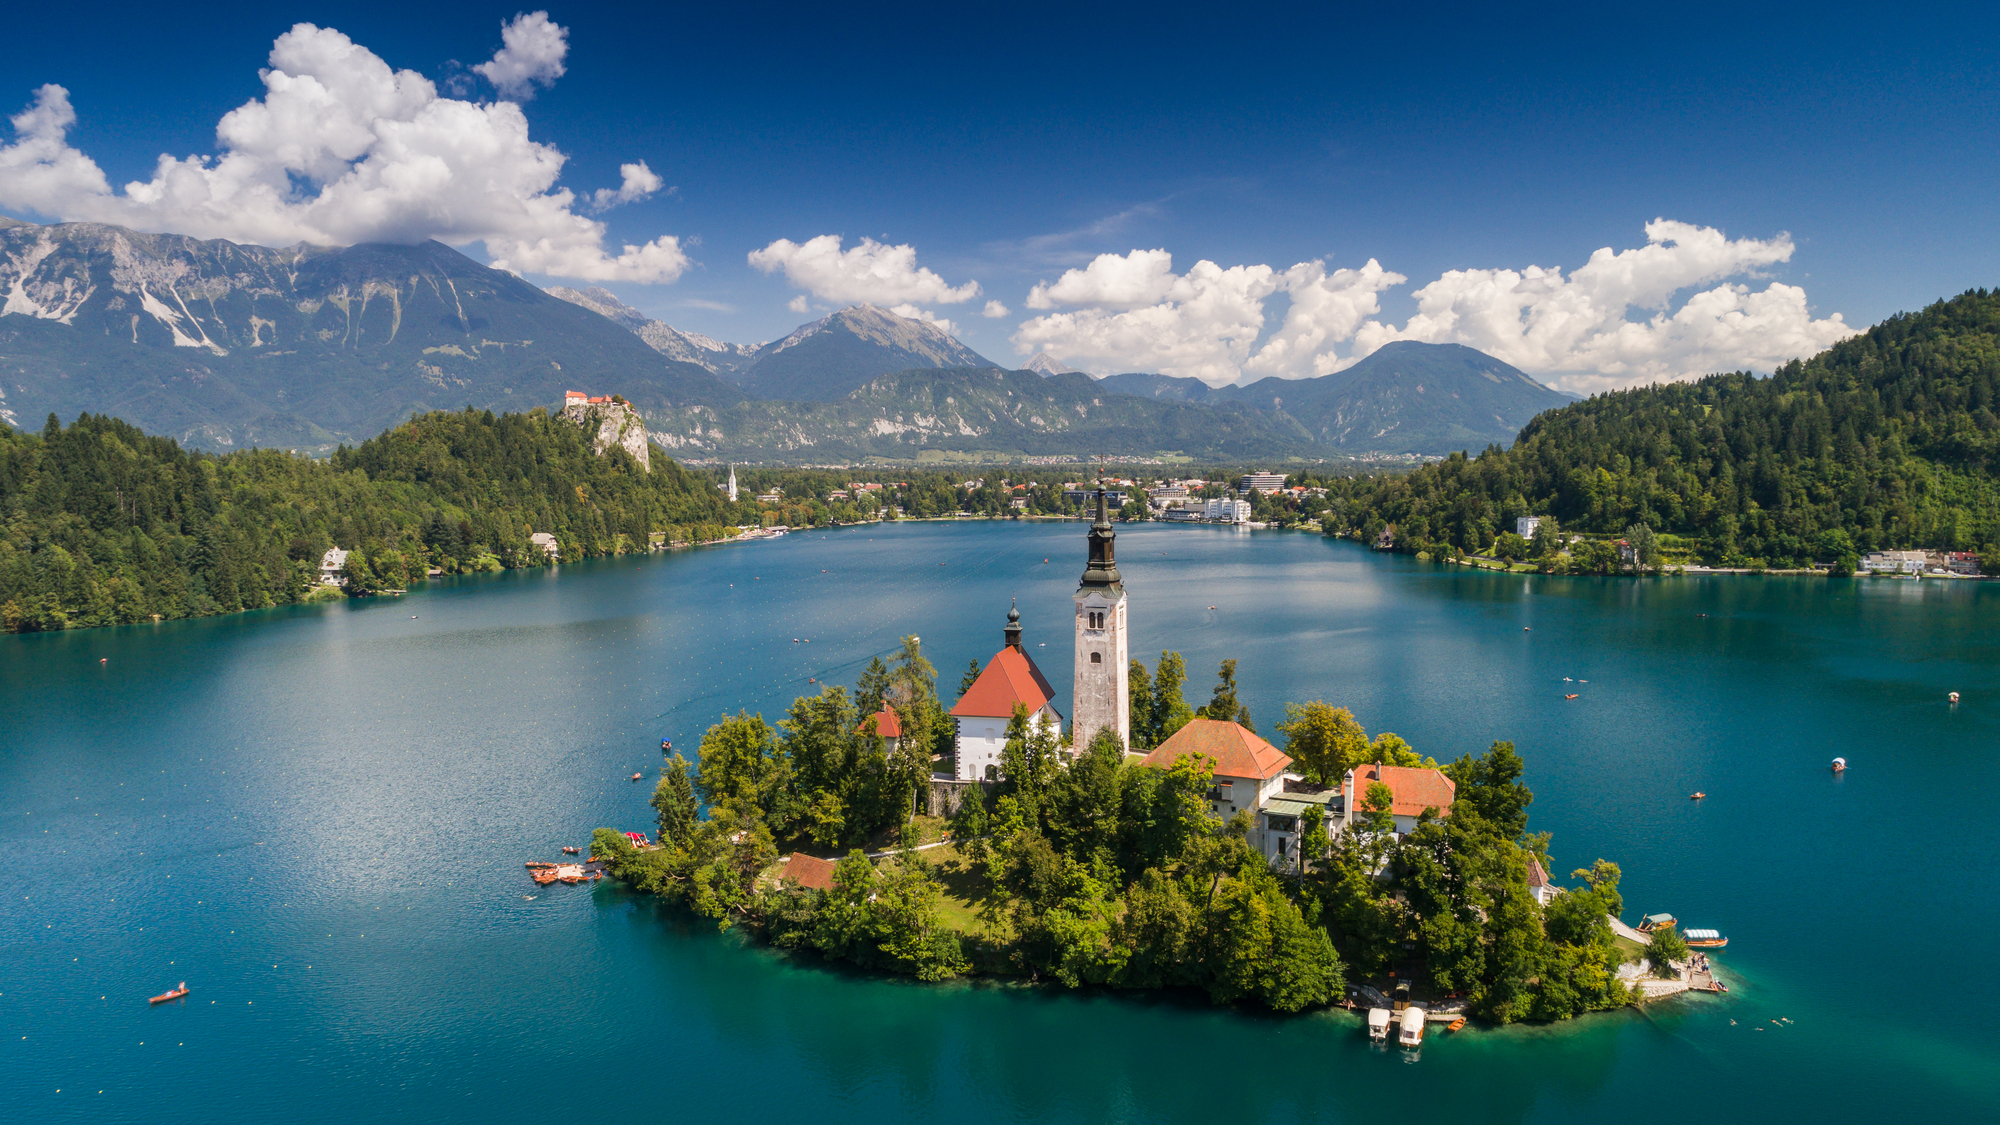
{"x": 318, "y": 817}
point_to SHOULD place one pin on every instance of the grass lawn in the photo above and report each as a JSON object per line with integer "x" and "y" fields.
{"x": 1628, "y": 950}
{"x": 964, "y": 889}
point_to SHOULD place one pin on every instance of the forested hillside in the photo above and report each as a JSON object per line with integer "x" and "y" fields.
{"x": 1888, "y": 440}
{"x": 104, "y": 524}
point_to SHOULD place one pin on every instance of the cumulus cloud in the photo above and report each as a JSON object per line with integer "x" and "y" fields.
{"x": 800, "y": 304}
{"x": 912, "y": 312}
{"x": 994, "y": 310}
{"x": 532, "y": 56}
{"x": 1612, "y": 322}
{"x": 342, "y": 149}
{"x": 1203, "y": 324}
{"x": 1579, "y": 329}
{"x": 871, "y": 273}
{"x": 639, "y": 182}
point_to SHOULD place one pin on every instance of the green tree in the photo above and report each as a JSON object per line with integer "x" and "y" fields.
{"x": 1489, "y": 787}
{"x": 1663, "y": 946}
{"x": 1170, "y": 711}
{"x": 1510, "y": 547}
{"x": 1324, "y": 740}
{"x": 1139, "y": 705}
{"x": 1223, "y": 705}
{"x": 673, "y": 801}
{"x": 1645, "y": 545}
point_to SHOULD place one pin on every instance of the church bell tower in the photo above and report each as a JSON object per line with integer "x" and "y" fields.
{"x": 1102, "y": 668}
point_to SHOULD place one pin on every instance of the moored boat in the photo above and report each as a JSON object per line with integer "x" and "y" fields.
{"x": 1410, "y": 1029}
{"x": 1378, "y": 1023}
{"x": 174, "y": 993}
{"x": 1704, "y": 939}
{"x": 1653, "y": 922}
{"x": 1456, "y": 1025}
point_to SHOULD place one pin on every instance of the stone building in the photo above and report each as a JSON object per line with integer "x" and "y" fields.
{"x": 1103, "y": 672}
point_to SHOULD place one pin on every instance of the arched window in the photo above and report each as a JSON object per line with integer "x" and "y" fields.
{"x": 992, "y": 773}
{"x": 1097, "y": 658}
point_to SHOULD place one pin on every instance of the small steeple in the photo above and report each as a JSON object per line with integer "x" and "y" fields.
{"x": 1102, "y": 573}
{"x": 1014, "y": 626}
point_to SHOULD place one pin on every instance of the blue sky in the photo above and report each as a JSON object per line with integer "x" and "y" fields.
{"x": 1007, "y": 146}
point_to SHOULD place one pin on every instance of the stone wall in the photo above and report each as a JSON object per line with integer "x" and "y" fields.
{"x": 944, "y": 796}
{"x": 616, "y": 424}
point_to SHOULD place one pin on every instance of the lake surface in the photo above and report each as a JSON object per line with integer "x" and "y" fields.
{"x": 317, "y": 817}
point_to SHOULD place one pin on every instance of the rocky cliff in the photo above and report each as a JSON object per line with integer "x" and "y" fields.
{"x": 615, "y": 423}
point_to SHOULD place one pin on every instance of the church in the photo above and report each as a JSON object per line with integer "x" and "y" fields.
{"x": 1099, "y": 699}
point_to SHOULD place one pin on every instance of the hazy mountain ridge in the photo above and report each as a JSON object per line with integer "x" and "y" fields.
{"x": 221, "y": 345}
{"x": 966, "y": 410}
{"x": 687, "y": 347}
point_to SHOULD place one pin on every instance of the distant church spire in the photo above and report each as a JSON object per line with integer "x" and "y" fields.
{"x": 732, "y": 484}
{"x": 1014, "y": 626}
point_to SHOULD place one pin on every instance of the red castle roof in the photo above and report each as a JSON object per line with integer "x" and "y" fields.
{"x": 1414, "y": 789}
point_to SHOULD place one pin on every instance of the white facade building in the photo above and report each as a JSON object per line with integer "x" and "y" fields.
{"x": 987, "y": 707}
{"x": 330, "y": 566}
{"x": 1524, "y": 526}
{"x": 1227, "y": 511}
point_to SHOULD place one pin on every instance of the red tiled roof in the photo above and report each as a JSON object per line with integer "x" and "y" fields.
{"x": 887, "y": 723}
{"x": 1415, "y": 789}
{"x": 1536, "y": 876}
{"x": 1237, "y": 752}
{"x": 1010, "y": 678}
{"x": 808, "y": 871}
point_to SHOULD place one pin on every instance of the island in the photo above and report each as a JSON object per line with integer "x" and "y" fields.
{"x": 1147, "y": 844}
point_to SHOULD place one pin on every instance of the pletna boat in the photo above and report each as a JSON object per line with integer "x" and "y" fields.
{"x": 174, "y": 993}
{"x": 1410, "y": 1028}
{"x": 1653, "y": 922}
{"x": 572, "y": 849}
{"x": 1378, "y": 1023}
{"x": 1704, "y": 939}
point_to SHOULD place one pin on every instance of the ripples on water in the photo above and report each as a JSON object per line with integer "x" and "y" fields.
{"x": 317, "y": 817}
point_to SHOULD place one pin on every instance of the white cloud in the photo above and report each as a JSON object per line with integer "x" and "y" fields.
{"x": 532, "y": 55}
{"x": 640, "y": 182}
{"x": 912, "y": 312}
{"x": 342, "y": 149}
{"x": 799, "y": 304}
{"x": 1203, "y": 324}
{"x": 873, "y": 273}
{"x": 994, "y": 310}
{"x": 1577, "y": 329}
{"x": 1137, "y": 314}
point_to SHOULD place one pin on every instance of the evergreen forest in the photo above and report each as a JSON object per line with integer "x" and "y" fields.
{"x": 1889, "y": 440}
{"x": 101, "y": 524}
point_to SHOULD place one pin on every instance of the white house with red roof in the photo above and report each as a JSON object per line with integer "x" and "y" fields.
{"x": 1249, "y": 776}
{"x": 1412, "y": 790}
{"x": 1009, "y": 680}
{"x": 886, "y": 723}
{"x": 1538, "y": 882}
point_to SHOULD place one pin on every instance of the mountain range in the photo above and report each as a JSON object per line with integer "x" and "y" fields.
{"x": 223, "y": 345}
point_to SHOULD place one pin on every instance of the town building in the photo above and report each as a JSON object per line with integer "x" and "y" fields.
{"x": 1525, "y": 526}
{"x": 1962, "y": 562}
{"x": 1081, "y": 495}
{"x": 886, "y": 723}
{"x": 1260, "y": 482}
{"x": 1103, "y": 670}
{"x": 775, "y": 496}
{"x": 547, "y": 543}
{"x": 1896, "y": 562}
{"x": 1227, "y": 511}
{"x": 330, "y": 566}
{"x": 983, "y": 713}
{"x": 807, "y": 871}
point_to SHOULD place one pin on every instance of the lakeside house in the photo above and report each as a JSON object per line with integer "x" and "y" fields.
{"x": 1249, "y": 777}
{"x": 547, "y": 543}
{"x": 1010, "y": 678}
{"x": 1413, "y": 790}
{"x": 1526, "y": 526}
{"x": 330, "y": 566}
{"x": 1226, "y": 511}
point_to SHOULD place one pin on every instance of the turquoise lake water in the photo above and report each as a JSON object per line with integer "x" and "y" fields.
{"x": 317, "y": 817}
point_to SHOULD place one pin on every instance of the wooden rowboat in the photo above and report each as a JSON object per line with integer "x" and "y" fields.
{"x": 171, "y": 994}
{"x": 1455, "y": 1024}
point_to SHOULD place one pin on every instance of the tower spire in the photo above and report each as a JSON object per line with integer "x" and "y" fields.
{"x": 1014, "y": 626}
